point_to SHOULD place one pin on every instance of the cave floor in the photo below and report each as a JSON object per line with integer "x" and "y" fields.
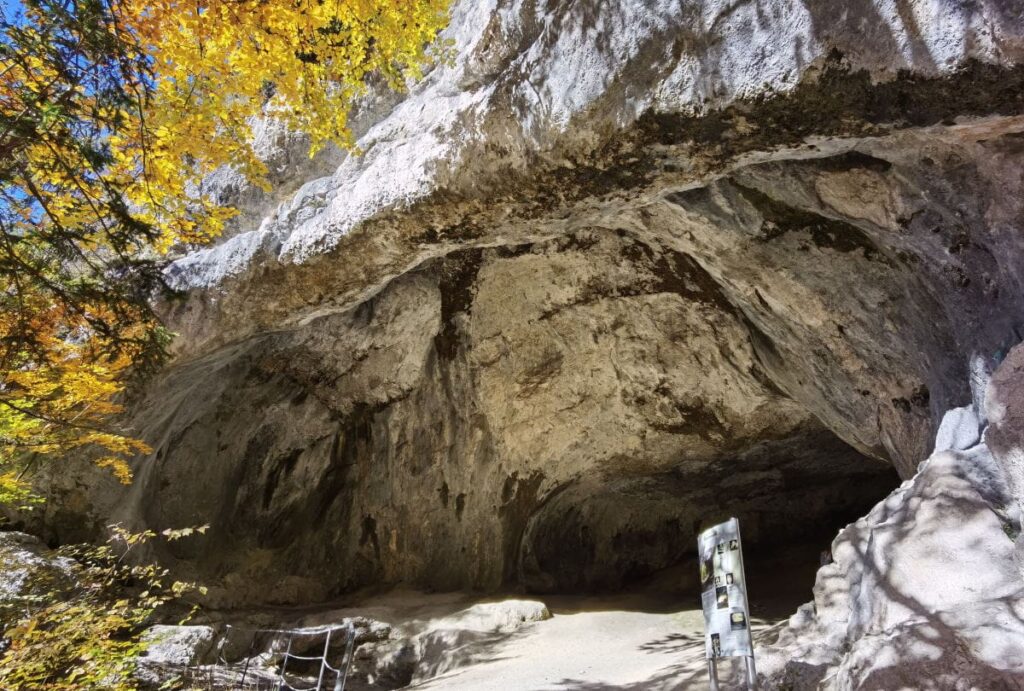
{"x": 591, "y": 644}
{"x": 645, "y": 639}
{"x": 649, "y": 637}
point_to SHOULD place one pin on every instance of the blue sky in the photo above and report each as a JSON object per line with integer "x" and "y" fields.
{"x": 9, "y": 8}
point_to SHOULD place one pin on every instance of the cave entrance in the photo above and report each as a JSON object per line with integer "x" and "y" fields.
{"x": 617, "y": 534}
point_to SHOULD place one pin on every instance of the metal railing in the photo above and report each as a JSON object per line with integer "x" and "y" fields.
{"x": 324, "y": 671}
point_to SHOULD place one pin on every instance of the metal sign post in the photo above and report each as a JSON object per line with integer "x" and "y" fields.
{"x": 724, "y": 599}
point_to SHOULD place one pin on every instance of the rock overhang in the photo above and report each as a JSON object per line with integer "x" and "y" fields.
{"x": 503, "y": 323}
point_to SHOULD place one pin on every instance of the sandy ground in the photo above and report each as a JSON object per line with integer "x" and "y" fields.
{"x": 593, "y": 644}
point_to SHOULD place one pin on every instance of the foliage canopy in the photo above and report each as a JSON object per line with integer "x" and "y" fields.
{"x": 112, "y": 115}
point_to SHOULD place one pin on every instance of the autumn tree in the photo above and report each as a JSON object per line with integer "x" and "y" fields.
{"x": 112, "y": 115}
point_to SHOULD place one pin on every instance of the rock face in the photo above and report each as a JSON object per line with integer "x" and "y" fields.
{"x": 926, "y": 588}
{"x": 619, "y": 270}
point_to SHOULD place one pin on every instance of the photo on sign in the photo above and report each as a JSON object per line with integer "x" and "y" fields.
{"x": 734, "y": 545}
{"x": 722, "y": 597}
{"x": 706, "y": 570}
{"x": 728, "y": 579}
{"x": 738, "y": 621}
{"x": 716, "y": 645}
{"x": 718, "y": 580}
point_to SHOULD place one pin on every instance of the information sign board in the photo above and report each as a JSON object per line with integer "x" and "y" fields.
{"x": 724, "y": 592}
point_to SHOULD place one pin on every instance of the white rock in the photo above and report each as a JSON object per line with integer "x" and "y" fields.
{"x": 503, "y": 616}
{"x": 958, "y": 431}
{"x": 177, "y": 646}
{"x": 925, "y": 587}
{"x": 28, "y": 568}
{"x": 426, "y": 648}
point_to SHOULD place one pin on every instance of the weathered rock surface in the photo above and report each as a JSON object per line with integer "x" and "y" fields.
{"x": 29, "y": 571}
{"x": 622, "y": 268}
{"x": 425, "y": 648}
{"x": 925, "y": 590}
{"x": 178, "y": 645}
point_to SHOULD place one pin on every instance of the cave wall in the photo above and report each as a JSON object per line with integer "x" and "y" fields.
{"x": 559, "y": 415}
{"x": 566, "y": 413}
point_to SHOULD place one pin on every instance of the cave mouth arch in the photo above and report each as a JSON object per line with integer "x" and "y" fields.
{"x": 791, "y": 495}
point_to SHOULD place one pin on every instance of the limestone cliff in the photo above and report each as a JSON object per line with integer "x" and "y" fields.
{"x": 619, "y": 269}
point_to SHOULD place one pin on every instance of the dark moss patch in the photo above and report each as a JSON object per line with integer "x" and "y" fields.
{"x": 458, "y": 273}
{"x": 843, "y": 101}
{"x": 681, "y": 274}
{"x": 599, "y": 181}
{"x": 677, "y": 273}
{"x": 670, "y": 272}
{"x": 462, "y": 232}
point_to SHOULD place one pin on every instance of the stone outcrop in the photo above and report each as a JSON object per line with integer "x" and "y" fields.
{"x": 171, "y": 649}
{"x": 618, "y": 270}
{"x": 925, "y": 590}
{"x": 423, "y": 649}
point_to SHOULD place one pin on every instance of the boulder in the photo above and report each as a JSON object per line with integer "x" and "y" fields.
{"x": 178, "y": 645}
{"x": 171, "y": 650}
{"x": 424, "y": 648}
{"x": 29, "y": 572}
